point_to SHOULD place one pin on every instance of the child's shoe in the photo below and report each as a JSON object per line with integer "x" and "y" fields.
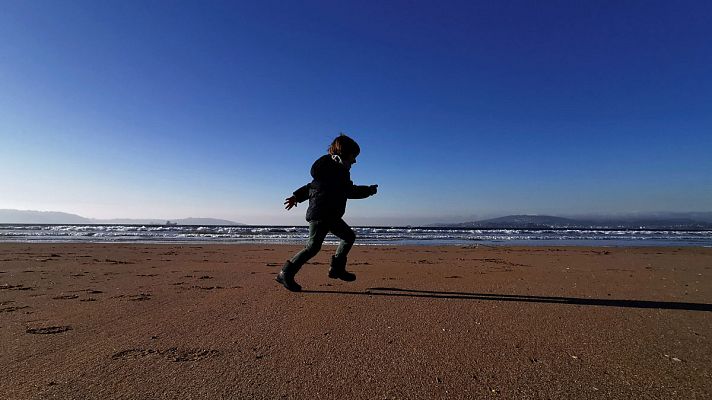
{"x": 286, "y": 277}
{"x": 338, "y": 270}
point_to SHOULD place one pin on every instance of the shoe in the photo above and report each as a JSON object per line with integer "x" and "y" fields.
{"x": 286, "y": 277}
{"x": 338, "y": 270}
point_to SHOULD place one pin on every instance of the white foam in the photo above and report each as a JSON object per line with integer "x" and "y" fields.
{"x": 366, "y": 235}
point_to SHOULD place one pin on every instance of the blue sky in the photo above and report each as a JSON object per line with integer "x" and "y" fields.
{"x": 463, "y": 109}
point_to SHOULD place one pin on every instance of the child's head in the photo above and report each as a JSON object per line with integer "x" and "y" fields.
{"x": 345, "y": 147}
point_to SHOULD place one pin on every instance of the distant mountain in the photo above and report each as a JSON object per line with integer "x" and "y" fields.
{"x": 54, "y": 217}
{"x": 691, "y": 221}
{"x": 40, "y": 217}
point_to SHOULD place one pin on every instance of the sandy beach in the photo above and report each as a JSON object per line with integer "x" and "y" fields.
{"x": 136, "y": 321}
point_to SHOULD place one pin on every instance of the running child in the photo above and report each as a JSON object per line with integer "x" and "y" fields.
{"x": 327, "y": 193}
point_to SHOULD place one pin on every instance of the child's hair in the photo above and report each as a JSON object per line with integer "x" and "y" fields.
{"x": 343, "y": 145}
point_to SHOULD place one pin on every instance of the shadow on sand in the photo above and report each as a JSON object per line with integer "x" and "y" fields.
{"x": 397, "y": 292}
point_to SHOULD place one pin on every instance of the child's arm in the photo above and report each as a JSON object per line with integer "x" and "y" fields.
{"x": 361, "y": 192}
{"x": 298, "y": 196}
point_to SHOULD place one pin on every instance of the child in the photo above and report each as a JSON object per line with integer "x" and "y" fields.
{"x": 327, "y": 195}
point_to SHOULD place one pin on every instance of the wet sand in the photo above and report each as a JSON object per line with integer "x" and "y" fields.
{"x": 138, "y": 321}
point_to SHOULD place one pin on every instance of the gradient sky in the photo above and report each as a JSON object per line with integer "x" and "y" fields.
{"x": 463, "y": 109}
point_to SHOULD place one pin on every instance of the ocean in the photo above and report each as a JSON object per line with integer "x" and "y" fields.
{"x": 27, "y": 233}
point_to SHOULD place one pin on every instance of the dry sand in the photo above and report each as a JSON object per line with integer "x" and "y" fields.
{"x": 139, "y": 321}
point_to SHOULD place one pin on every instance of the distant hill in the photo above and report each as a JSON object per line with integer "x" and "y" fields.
{"x": 54, "y": 217}
{"x": 40, "y": 217}
{"x": 691, "y": 221}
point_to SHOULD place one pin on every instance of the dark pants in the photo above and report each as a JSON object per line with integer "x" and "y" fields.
{"x": 317, "y": 233}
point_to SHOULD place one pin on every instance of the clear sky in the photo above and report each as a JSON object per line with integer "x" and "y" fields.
{"x": 463, "y": 109}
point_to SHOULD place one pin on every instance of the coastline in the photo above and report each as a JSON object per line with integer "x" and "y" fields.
{"x": 208, "y": 321}
{"x": 387, "y": 236}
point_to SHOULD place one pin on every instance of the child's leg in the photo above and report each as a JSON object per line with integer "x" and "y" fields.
{"x": 338, "y": 261}
{"x": 344, "y": 232}
{"x": 317, "y": 233}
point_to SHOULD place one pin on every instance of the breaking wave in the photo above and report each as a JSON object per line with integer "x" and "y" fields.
{"x": 366, "y": 235}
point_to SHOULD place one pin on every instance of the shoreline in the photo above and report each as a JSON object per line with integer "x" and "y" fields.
{"x": 300, "y": 243}
{"x": 208, "y": 321}
{"x": 388, "y": 236}
{"x": 306, "y": 225}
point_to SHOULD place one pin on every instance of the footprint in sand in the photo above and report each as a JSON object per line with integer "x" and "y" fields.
{"x": 15, "y": 287}
{"x": 172, "y": 354}
{"x": 133, "y": 353}
{"x": 110, "y": 261}
{"x": 206, "y": 287}
{"x": 137, "y": 297}
{"x": 140, "y": 297}
{"x": 66, "y": 297}
{"x": 48, "y": 330}
{"x": 12, "y": 308}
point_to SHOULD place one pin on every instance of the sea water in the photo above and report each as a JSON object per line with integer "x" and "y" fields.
{"x": 27, "y": 233}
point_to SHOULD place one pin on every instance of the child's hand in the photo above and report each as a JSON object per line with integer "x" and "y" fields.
{"x": 290, "y": 202}
{"x": 374, "y": 189}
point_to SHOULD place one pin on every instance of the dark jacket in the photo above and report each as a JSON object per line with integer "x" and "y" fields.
{"x": 329, "y": 190}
